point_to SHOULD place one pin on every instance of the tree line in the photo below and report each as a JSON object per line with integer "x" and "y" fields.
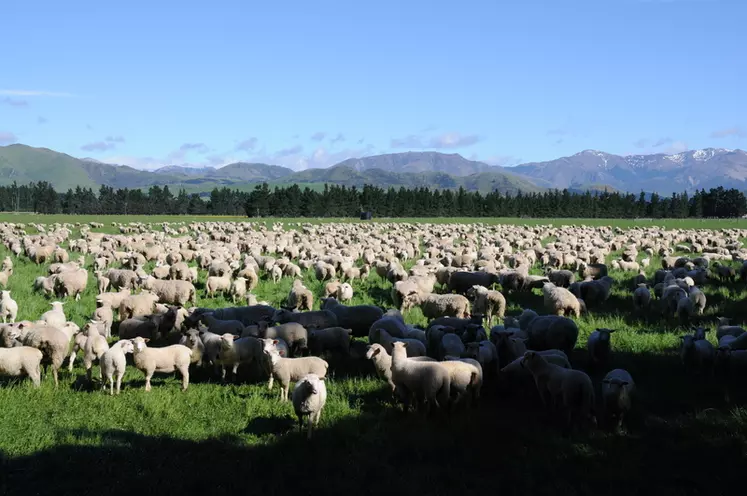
{"x": 342, "y": 201}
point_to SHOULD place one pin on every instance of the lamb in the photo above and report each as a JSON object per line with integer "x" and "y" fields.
{"x": 21, "y": 360}
{"x": 276, "y": 273}
{"x": 137, "y": 305}
{"x": 598, "y": 346}
{"x": 215, "y": 284}
{"x": 173, "y": 292}
{"x": 234, "y": 352}
{"x": 330, "y": 289}
{"x": 697, "y": 355}
{"x": 641, "y": 298}
{"x": 465, "y": 377}
{"x": 292, "y": 333}
{"x": 345, "y": 292}
{"x": 332, "y": 338}
{"x": 43, "y": 284}
{"x": 5, "y": 275}
{"x": 56, "y": 316}
{"x": 618, "y": 390}
{"x": 426, "y": 381}
{"x": 193, "y": 341}
{"x": 8, "y": 307}
{"x": 167, "y": 359}
{"x": 238, "y": 289}
{"x": 436, "y": 305}
{"x": 102, "y": 282}
{"x": 161, "y": 271}
{"x": 414, "y": 346}
{"x": 557, "y": 386}
{"x": 309, "y": 396}
{"x": 489, "y": 303}
{"x": 286, "y": 370}
{"x": 560, "y": 301}
{"x": 358, "y": 318}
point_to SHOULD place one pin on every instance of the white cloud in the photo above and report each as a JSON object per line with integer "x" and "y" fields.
{"x": 445, "y": 140}
{"x": 6, "y": 138}
{"x": 35, "y": 93}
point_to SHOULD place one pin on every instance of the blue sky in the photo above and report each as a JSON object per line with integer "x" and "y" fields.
{"x": 309, "y": 83}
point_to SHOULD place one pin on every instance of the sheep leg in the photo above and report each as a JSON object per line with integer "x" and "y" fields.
{"x": 72, "y": 360}
{"x": 54, "y": 374}
{"x": 185, "y": 377}
{"x": 148, "y": 375}
{"x": 270, "y": 382}
{"x": 119, "y": 382}
{"x": 300, "y": 422}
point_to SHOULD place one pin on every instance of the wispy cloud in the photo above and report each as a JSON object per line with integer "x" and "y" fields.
{"x": 247, "y": 145}
{"x": 641, "y": 143}
{"x": 318, "y": 136}
{"x": 337, "y": 139}
{"x": 36, "y": 93}
{"x": 360, "y": 141}
{"x": 180, "y": 154}
{"x": 41, "y": 120}
{"x": 446, "y": 140}
{"x": 287, "y": 152}
{"x": 114, "y": 139}
{"x": 14, "y": 102}
{"x": 6, "y": 138}
{"x": 662, "y": 142}
{"x": 736, "y": 132}
{"x": 676, "y": 147}
{"x": 98, "y": 146}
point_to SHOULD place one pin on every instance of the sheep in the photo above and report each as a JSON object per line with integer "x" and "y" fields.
{"x": 560, "y": 278}
{"x": 292, "y": 333}
{"x": 105, "y": 315}
{"x": 308, "y": 397}
{"x": 345, "y": 292}
{"x": 7, "y": 265}
{"x": 461, "y": 282}
{"x": 436, "y": 305}
{"x": 451, "y": 344}
{"x": 330, "y": 288}
{"x": 414, "y": 348}
{"x": 94, "y": 347}
{"x": 43, "y": 284}
{"x": 618, "y": 391}
{"x": 426, "y": 381}
{"x": 595, "y": 270}
{"x": 113, "y": 300}
{"x": 102, "y": 282}
{"x": 276, "y": 273}
{"x": 560, "y": 301}
{"x": 56, "y": 316}
{"x": 191, "y": 339}
{"x": 598, "y": 346}
{"x": 641, "y": 298}
{"x": 238, "y": 289}
{"x": 698, "y": 299}
{"x": 21, "y": 360}
{"x": 696, "y": 355}
{"x": 173, "y": 292}
{"x": 234, "y": 352}
{"x": 552, "y": 332}
{"x": 286, "y": 370}
{"x": 724, "y": 328}
{"x": 558, "y": 386}
{"x": 51, "y": 341}
{"x": 151, "y": 326}
{"x": 137, "y": 305}
{"x": 514, "y": 373}
{"x": 167, "y": 359}
{"x": 685, "y": 309}
{"x": 358, "y": 318}
{"x": 465, "y": 377}
{"x": 324, "y": 271}
{"x": 332, "y": 338}
{"x": 383, "y": 362}
{"x": 246, "y": 315}
{"x": 221, "y": 327}
{"x": 300, "y": 297}
{"x": 215, "y": 284}
{"x": 8, "y": 307}
{"x": 488, "y": 303}
{"x": 161, "y": 271}
{"x": 317, "y": 319}
{"x": 122, "y": 278}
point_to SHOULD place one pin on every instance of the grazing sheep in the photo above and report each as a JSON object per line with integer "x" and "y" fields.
{"x": 465, "y": 376}
{"x": 460, "y": 282}
{"x": 428, "y": 382}
{"x": 8, "y": 307}
{"x": 515, "y": 375}
{"x": 221, "y": 327}
{"x": 725, "y": 329}
{"x": 698, "y": 299}
{"x": 51, "y": 341}
{"x": 21, "y": 360}
{"x": 414, "y": 346}
{"x": 122, "y": 278}
{"x": 105, "y": 315}
{"x": 572, "y": 389}
{"x": 560, "y": 278}
{"x": 560, "y": 301}
{"x": 137, "y": 305}
{"x": 286, "y": 370}
{"x": 173, "y": 292}
{"x": 167, "y": 359}
{"x": 436, "y": 305}
{"x": 618, "y": 390}
{"x": 94, "y": 347}
{"x": 309, "y": 396}
{"x": 598, "y": 346}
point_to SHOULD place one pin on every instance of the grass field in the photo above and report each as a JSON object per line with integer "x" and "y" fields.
{"x": 688, "y": 436}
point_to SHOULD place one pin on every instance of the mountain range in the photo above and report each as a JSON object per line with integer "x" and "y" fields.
{"x": 588, "y": 169}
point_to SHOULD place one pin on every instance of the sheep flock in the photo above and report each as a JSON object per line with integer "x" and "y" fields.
{"x": 451, "y": 319}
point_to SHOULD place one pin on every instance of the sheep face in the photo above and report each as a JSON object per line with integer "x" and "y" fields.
{"x": 127, "y": 346}
{"x": 138, "y": 344}
{"x": 373, "y": 350}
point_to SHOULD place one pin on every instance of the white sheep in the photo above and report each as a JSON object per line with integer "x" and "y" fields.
{"x": 94, "y": 347}
{"x": 113, "y": 361}
{"x": 465, "y": 376}
{"x": 71, "y": 283}
{"x": 234, "y": 352}
{"x": 215, "y": 284}
{"x": 560, "y": 301}
{"x": 105, "y": 315}
{"x": 309, "y": 396}
{"x": 572, "y": 389}
{"x": 166, "y": 359}
{"x": 286, "y": 370}
{"x": 56, "y": 316}
{"x": 618, "y": 390}
{"x": 344, "y": 292}
{"x": 238, "y": 289}
{"x": 599, "y": 346}
{"x": 8, "y": 307}
{"x": 436, "y": 305}
{"x": 425, "y": 381}
{"x": 489, "y": 303}
{"x": 383, "y": 362}
{"x": 21, "y": 360}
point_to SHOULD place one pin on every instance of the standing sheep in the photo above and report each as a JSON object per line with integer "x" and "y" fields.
{"x": 8, "y": 307}
{"x": 286, "y": 370}
{"x": 488, "y": 302}
{"x": 21, "y": 360}
{"x": 167, "y": 359}
{"x": 428, "y": 382}
{"x": 598, "y": 345}
{"x": 436, "y": 305}
{"x": 309, "y": 396}
{"x": 113, "y": 361}
{"x": 618, "y": 390}
{"x": 560, "y": 301}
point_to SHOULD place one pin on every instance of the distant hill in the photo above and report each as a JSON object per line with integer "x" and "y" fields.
{"x": 586, "y": 170}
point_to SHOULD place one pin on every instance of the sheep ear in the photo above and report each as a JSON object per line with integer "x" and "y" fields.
{"x": 281, "y": 352}
{"x": 274, "y": 341}
{"x": 404, "y": 344}
{"x": 146, "y": 339}
{"x": 322, "y": 378}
